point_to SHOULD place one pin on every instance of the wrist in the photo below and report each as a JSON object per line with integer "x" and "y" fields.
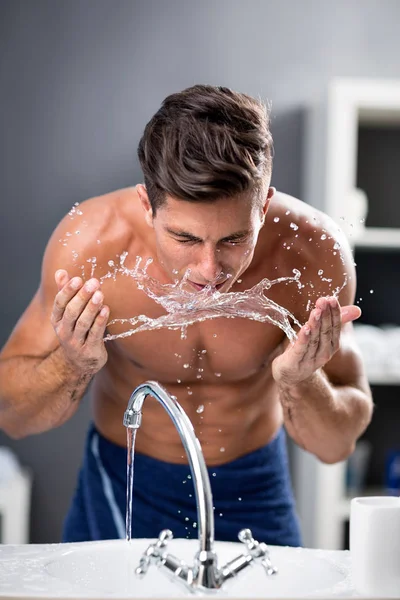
{"x": 69, "y": 370}
{"x": 287, "y": 383}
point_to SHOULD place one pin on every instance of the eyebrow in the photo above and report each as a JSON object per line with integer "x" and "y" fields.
{"x": 189, "y": 236}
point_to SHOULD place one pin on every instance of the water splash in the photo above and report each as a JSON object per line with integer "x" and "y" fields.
{"x": 183, "y": 308}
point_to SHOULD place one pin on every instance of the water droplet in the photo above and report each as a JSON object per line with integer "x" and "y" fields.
{"x": 98, "y": 241}
{"x": 287, "y": 212}
{"x": 189, "y": 476}
{"x": 214, "y": 474}
{"x": 222, "y": 449}
{"x": 179, "y": 511}
{"x": 186, "y": 366}
{"x": 320, "y": 272}
{"x": 294, "y": 226}
{"x": 200, "y": 408}
{"x": 214, "y": 335}
{"x": 186, "y": 518}
{"x": 204, "y": 351}
{"x": 190, "y": 392}
{"x": 323, "y": 236}
{"x": 217, "y": 374}
{"x": 239, "y": 281}
{"x": 194, "y": 524}
{"x": 179, "y": 381}
{"x": 239, "y": 499}
{"x": 336, "y": 246}
{"x": 221, "y": 514}
{"x": 371, "y": 291}
{"x": 276, "y": 219}
{"x": 77, "y": 232}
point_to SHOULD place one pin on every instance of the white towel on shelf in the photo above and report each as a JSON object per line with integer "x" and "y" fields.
{"x": 9, "y": 465}
{"x": 380, "y": 349}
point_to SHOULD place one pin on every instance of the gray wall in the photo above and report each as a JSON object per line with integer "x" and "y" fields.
{"x": 79, "y": 79}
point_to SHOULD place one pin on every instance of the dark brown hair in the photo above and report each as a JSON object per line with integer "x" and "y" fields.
{"x": 205, "y": 143}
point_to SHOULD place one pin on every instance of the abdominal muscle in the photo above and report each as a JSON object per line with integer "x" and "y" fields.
{"x": 230, "y": 420}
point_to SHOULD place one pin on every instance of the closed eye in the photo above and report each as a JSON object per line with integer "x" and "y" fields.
{"x": 187, "y": 241}
{"x": 234, "y": 241}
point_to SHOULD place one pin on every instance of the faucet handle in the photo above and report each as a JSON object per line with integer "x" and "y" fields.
{"x": 246, "y": 537}
{"x": 164, "y": 537}
{"x": 257, "y": 550}
{"x": 153, "y": 554}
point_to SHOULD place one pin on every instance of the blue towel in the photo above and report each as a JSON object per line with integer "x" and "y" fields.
{"x": 252, "y": 491}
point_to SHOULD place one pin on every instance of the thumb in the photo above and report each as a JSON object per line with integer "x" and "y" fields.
{"x": 350, "y": 313}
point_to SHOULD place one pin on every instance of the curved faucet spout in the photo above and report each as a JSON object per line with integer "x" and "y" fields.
{"x": 201, "y": 481}
{"x": 204, "y": 574}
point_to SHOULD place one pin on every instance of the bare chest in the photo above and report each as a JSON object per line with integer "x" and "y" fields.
{"x": 219, "y": 349}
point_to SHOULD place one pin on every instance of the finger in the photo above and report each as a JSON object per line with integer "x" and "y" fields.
{"x": 308, "y": 338}
{"x": 88, "y": 316}
{"x": 64, "y": 296}
{"x": 301, "y": 345}
{"x": 350, "y": 313}
{"x": 78, "y": 303}
{"x": 97, "y": 331}
{"x": 326, "y": 321}
{"x": 336, "y": 322}
{"x": 61, "y": 277}
{"x": 330, "y": 334}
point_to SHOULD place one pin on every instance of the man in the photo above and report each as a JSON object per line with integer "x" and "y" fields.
{"x": 207, "y": 205}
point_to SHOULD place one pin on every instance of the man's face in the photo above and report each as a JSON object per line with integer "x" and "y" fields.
{"x": 214, "y": 240}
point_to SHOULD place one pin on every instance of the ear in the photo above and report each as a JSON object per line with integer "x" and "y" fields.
{"x": 145, "y": 202}
{"x": 267, "y": 201}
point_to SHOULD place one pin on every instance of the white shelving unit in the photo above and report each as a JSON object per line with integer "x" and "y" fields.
{"x": 329, "y": 184}
{"x": 331, "y": 149}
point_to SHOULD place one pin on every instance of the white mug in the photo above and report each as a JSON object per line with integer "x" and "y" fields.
{"x": 375, "y": 546}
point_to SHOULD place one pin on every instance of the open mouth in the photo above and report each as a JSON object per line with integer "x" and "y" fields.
{"x": 200, "y": 286}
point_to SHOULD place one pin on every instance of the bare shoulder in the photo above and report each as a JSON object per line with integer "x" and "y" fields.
{"x": 91, "y": 234}
{"x": 308, "y": 240}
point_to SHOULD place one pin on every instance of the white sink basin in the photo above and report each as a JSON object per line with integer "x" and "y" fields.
{"x": 112, "y": 565}
{"x": 106, "y": 570}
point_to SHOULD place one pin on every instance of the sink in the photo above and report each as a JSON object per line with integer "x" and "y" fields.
{"x": 106, "y": 570}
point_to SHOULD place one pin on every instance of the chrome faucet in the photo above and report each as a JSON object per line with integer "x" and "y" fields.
{"x": 204, "y": 574}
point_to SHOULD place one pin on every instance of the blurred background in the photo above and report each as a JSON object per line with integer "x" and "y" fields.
{"x": 79, "y": 79}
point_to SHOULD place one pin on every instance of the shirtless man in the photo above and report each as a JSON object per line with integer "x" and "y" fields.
{"x": 206, "y": 205}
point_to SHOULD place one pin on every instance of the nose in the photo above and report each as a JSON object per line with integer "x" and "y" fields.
{"x": 208, "y": 266}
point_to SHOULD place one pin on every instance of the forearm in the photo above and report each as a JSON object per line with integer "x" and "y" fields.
{"x": 37, "y": 394}
{"x": 324, "y": 419}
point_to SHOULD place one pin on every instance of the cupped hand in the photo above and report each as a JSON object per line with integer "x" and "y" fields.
{"x": 79, "y": 319}
{"x": 317, "y": 341}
